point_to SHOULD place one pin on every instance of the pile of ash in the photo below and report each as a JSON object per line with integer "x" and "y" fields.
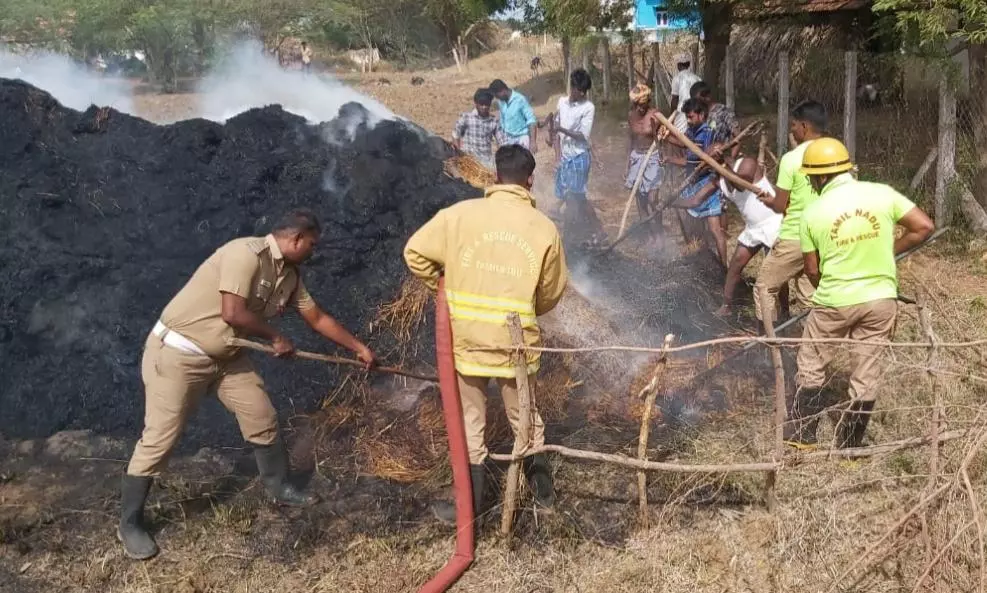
{"x": 105, "y": 216}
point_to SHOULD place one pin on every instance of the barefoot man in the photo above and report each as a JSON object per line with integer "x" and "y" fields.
{"x": 643, "y": 126}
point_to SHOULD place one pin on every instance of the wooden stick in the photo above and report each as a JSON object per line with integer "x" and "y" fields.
{"x": 770, "y": 483}
{"x": 758, "y": 467}
{"x": 720, "y": 169}
{"x": 772, "y": 156}
{"x": 241, "y": 343}
{"x": 522, "y": 440}
{"x": 642, "y": 445}
{"x": 925, "y": 323}
{"x": 637, "y": 184}
{"x": 726, "y": 147}
{"x": 762, "y": 149}
{"x": 924, "y": 169}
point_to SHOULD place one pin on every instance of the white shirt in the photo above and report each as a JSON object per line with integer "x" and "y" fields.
{"x": 575, "y": 117}
{"x": 681, "y": 85}
{"x": 754, "y": 211}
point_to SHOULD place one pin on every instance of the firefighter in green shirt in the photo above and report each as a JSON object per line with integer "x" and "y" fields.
{"x": 848, "y": 246}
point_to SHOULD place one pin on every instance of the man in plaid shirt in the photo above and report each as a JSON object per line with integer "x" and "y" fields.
{"x": 475, "y": 130}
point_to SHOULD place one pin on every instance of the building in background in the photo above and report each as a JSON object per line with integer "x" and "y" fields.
{"x": 658, "y": 24}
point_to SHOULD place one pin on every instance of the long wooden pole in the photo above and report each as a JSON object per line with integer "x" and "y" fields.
{"x": 770, "y": 484}
{"x": 710, "y": 161}
{"x": 522, "y": 440}
{"x": 637, "y": 184}
{"x": 241, "y": 343}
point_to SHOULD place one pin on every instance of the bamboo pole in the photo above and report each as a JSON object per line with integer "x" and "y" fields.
{"x": 522, "y": 440}
{"x": 637, "y": 184}
{"x": 710, "y": 161}
{"x": 241, "y": 343}
{"x": 770, "y": 483}
{"x": 650, "y": 392}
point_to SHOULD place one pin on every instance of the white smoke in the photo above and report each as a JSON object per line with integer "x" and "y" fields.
{"x": 70, "y": 83}
{"x": 249, "y": 77}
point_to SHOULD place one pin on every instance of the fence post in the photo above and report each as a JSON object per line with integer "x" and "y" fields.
{"x": 783, "y": 90}
{"x": 946, "y": 167}
{"x": 630, "y": 63}
{"x": 730, "y": 99}
{"x": 522, "y": 440}
{"x": 780, "y": 408}
{"x": 606, "y": 69}
{"x": 850, "y": 105}
{"x": 656, "y": 59}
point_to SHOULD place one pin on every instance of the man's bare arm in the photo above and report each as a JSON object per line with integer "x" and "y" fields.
{"x": 811, "y": 264}
{"x": 918, "y": 226}
{"x": 327, "y": 326}
{"x": 234, "y": 312}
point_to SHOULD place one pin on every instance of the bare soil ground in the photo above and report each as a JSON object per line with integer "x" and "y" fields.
{"x": 705, "y": 533}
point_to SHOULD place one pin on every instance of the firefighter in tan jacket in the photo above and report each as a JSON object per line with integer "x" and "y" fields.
{"x": 499, "y": 255}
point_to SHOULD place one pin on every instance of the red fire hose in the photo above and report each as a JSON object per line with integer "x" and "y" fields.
{"x": 452, "y": 409}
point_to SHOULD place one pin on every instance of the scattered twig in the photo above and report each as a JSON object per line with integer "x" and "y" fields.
{"x": 642, "y": 446}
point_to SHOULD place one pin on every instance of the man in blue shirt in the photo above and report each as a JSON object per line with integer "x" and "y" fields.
{"x": 518, "y": 124}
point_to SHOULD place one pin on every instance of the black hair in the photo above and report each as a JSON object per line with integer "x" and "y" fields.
{"x": 580, "y": 80}
{"x": 515, "y": 164}
{"x": 813, "y": 113}
{"x": 694, "y": 106}
{"x": 483, "y": 97}
{"x": 700, "y": 89}
{"x": 497, "y": 86}
{"x": 301, "y": 220}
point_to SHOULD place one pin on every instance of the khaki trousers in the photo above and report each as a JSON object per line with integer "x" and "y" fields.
{"x": 472, "y": 393}
{"x": 174, "y": 383}
{"x": 868, "y": 321}
{"x": 783, "y": 263}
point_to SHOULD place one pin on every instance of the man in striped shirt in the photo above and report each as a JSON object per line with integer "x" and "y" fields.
{"x": 476, "y": 130}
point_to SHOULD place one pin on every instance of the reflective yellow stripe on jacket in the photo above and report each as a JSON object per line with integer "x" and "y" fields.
{"x": 481, "y": 370}
{"x": 493, "y": 310}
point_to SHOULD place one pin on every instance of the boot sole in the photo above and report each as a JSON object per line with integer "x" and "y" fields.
{"x": 127, "y": 552}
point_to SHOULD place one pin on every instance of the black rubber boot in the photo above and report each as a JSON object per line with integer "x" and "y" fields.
{"x": 804, "y": 418}
{"x": 539, "y": 474}
{"x": 272, "y": 465}
{"x": 445, "y": 511}
{"x": 137, "y": 542}
{"x": 850, "y": 432}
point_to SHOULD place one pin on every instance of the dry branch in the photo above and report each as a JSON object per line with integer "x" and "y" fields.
{"x": 522, "y": 440}
{"x": 770, "y": 496}
{"x": 642, "y": 446}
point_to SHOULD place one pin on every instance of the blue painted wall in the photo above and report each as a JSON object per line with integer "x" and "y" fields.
{"x": 646, "y": 14}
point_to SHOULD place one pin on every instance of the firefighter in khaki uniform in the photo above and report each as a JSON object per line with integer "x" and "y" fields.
{"x": 499, "y": 255}
{"x": 848, "y": 246}
{"x": 186, "y": 354}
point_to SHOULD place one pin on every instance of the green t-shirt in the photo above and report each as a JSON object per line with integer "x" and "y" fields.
{"x": 799, "y": 188}
{"x": 851, "y": 225}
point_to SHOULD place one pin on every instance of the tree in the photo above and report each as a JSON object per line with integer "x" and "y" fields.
{"x": 931, "y": 26}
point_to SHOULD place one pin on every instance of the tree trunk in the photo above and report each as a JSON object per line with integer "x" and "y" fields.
{"x": 606, "y": 70}
{"x": 717, "y": 22}
{"x": 978, "y": 115}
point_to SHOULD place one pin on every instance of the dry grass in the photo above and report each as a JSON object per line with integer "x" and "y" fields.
{"x": 470, "y": 170}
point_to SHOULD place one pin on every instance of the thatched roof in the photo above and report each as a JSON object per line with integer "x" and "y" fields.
{"x": 792, "y": 7}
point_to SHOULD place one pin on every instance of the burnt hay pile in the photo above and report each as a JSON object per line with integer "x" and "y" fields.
{"x": 103, "y": 216}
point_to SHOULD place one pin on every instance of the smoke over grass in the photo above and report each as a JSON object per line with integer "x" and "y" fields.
{"x": 67, "y": 81}
{"x": 249, "y": 77}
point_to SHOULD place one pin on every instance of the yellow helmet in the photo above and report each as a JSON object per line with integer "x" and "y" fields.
{"x": 826, "y": 156}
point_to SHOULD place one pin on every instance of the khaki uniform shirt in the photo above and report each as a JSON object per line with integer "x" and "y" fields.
{"x": 250, "y": 267}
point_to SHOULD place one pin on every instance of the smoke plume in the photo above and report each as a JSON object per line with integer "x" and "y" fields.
{"x": 70, "y": 83}
{"x": 249, "y": 77}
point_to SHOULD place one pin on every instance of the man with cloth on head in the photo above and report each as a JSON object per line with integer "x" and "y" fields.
{"x": 231, "y": 295}
{"x": 848, "y": 243}
{"x": 518, "y": 124}
{"x": 499, "y": 255}
{"x": 644, "y": 128}
{"x": 761, "y": 224}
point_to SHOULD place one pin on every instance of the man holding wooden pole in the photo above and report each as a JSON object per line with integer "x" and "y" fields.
{"x": 231, "y": 295}
{"x": 500, "y": 256}
{"x": 644, "y": 170}
{"x": 847, "y": 239}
